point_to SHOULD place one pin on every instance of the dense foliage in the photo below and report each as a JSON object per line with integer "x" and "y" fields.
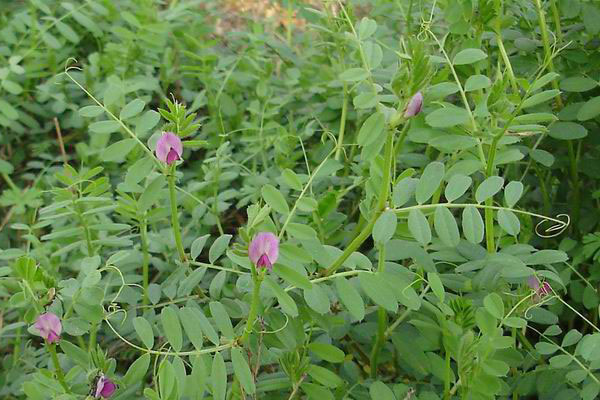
{"x": 358, "y": 199}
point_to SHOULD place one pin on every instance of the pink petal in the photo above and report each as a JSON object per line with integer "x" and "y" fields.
{"x": 172, "y": 156}
{"x": 533, "y": 282}
{"x": 414, "y": 105}
{"x": 99, "y": 386}
{"x": 264, "y": 262}
{"x": 264, "y": 243}
{"x": 167, "y": 142}
{"x": 109, "y": 389}
{"x": 49, "y": 326}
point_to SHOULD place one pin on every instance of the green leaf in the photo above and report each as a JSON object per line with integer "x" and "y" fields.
{"x": 75, "y": 353}
{"x": 144, "y": 330}
{"x": 108, "y": 126}
{"x": 317, "y": 392}
{"x": 578, "y": 84}
{"x": 118, "y": 150}
{"x": 452, "y": 143}
{"x": 477, "y": 82}
{"x": 472, "y": 225}
{"x": 205, "y": 324}
{"x": 512, "y": 193}
{"x": 379, "y": 391}
{"x": 327, "y": 352}
{"x": 172, "y": 327}
{"x": 446, "y": 227}
{"x": 494, "y": 305}
{"x": 366, "y": 28}
{"x": 541, "y": 97}
{"x": 9, "y": 111}
{"x": 12, "y": 87}
{"x": 430, "y": 181}
{"x": 317, "y": 299}
{"x": 152, "y": 193}
{"x": 469, "y": 56}
{"x": 590, "y": 109}
{"x": 436, "y": 285}
{"x": 488, "y": 188}
{"x": 354, "y": 75}
{"x": 567, "y": 131}
{"x": 140, "y": 170}
{"x": 543, "y": 81}
{"x": 275, "y": 199}
{"x": 404, "y": 191}
{"x": 137, "y": 371}
{"x": 571, "y": 338}
{"x": 198, "y": 245}
{"x": 218, "y": 247}
{"x": 375, "y": 286}
{"x": 350, "y": 298}
{"x": 191, "y": 326}
{"x": 365, "y": 100}
{"x": 457, "y": 186}
{"x": 372, "y": 129}
{"x": 324, "y": 376}
{"x": 509, "y": 222}
{"x": 291, "y": 179}
{"x": 218, "y": 377}
{"x": 133, "y": 108}
{"x": 242, "y": 370}
{"x": 288, "y": 305}
{"x": 301, "y": 231}
{"x": 447, "y": 117}
{"x": 292, "y": 276}
{"x": 219, "y": 314}
{"x": 419, "y": 227}
{"x": 385, "y": 227}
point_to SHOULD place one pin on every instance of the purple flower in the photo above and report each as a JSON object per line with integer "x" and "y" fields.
{"x": 49, "y": 327}
{"x": 540, "y": 290}
{"x": 264, "y": 250}
{"x": 169, "y": 148}
{"x": 104, "y": 387}
{"x": 414, "y": 105}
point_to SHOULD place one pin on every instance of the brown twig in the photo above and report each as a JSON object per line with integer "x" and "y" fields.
{"x": 61, "y": 144}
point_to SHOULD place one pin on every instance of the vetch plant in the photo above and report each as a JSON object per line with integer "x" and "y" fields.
{"x": 376, "y": 203}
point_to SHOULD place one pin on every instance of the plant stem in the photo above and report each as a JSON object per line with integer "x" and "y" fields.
{"x": 60, "y": 375}
{"x": 385, "y": 190}
{"x": 146, "y": 259}
{"x": 93, "y": 335}
{"x": 257, "y": 278}
{"x": 547, "y": 50}
{"x": 381, "y": 321}
{"x": 174, "y": 218}
{"x": 340, "y": 139}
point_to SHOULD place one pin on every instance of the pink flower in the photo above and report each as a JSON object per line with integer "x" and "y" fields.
{"x": 414, "y": 105}
{"x": 49, "y": 327}
{"x": 104, "y": 388}
{"x": 169, "y": 148}
{"x": 540, "y": 290}
{"x": 264, "y": 250}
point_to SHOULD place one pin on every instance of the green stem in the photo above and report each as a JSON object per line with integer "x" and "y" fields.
{"x": 489, "y": 213}
{"x": 381, "y": 321}
{"x": 93, "y": 335}
{"x": 174, "y": 218}
{"x": 447, "y": 395}
{"x": 573, "y": 160}
{"x": 146, "y": 259}
{"x": 257, "y": 278}
{"x": 385, "y": 190}
{"x": 60, "y": 375}
{"x": 340, "y": 139}
{"x": 546, "y": 43}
